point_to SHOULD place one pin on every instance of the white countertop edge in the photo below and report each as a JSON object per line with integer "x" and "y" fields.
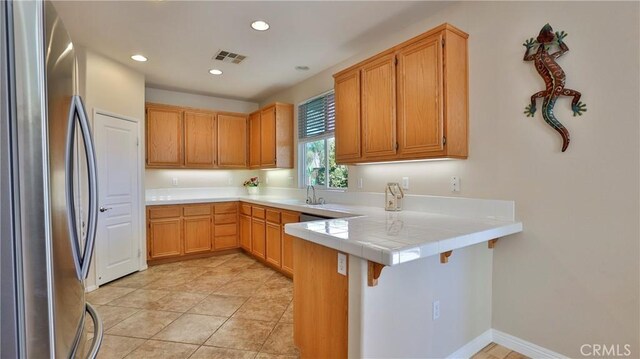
{"x": 281, "y": 203}
{"x": 394, "y": 257}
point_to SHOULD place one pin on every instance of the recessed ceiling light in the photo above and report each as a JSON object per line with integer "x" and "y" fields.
{"x": 215, "y": 72}
{"x": 260, "y": 25}
{"x": 139, "y": 58}
{"x": 302, "y": 68}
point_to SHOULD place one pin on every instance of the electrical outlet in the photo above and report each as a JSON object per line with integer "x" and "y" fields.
{"x": 174, "y": 181}
{"x": 342, "y": 264}
{"x": 436, "y": 309}
{"x": 405, "y": 183}
{"x": 360, "y": 183}
{"x": 454, "y": 185}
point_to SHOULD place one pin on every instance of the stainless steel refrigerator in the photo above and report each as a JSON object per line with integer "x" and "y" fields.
{"x": 47, "y": 225}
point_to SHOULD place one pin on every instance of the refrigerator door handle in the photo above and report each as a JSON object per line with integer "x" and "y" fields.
{"x": 98, "y": 332}
{"x": 81, "y": 261}
{"x": 92, "y": 183}
{"x": 69, "y": 193}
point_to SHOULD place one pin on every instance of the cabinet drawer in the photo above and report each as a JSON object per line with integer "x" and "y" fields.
{"x": 226, "y": 218}
{"x": 257, "y": 212}
{"x": 273, "y": 216}
{"x": 230, "y": 207}
{"x": 226, "y": 242}
{"x": 197, "y": 210}
{"x": 245, "y": 209}
{"x": 165, "y": 212}
{"x": 290, "y": 217}
{"x": 226, "y": 229}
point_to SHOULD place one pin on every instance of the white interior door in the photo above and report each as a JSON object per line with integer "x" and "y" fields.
{"x": 118, "y": 236}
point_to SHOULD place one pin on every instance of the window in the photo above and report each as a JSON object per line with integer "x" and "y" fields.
{"x": 317, "y": 144}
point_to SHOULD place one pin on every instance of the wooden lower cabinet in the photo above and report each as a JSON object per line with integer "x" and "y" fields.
{"x": 177, "y": 231}
{"x": 245, "y": 232}
{"x": 287, "y": 242}
{"x": 197, "y": 234}
{"x": 274, "y": 245}
{"x": 262, "y": 235}
{"x": 258, "y": 237}
{"x": 320, "y": 302}
{"x": 165, "y": 238}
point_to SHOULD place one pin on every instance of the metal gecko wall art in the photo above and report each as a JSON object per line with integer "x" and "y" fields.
{"x": 554, "y": 79}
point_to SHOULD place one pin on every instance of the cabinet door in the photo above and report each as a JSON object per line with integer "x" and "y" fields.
{"x": 254, "y": 140}
{"x": 420, "y": 90}
{"x": 258, "y": 237}
{"x": 197, "y": 234}
{"x": 165, "y": 238}
{"x": 164, "y": 137}
{"x": 200, "y": 139}
{"x": 268, "y": 137}
{"x": 274, "y": 247}
{"x": 347, "y": 102}
{"x": 232, "y": 141}
{"x": 245, "y": 232}
{"x": 287, "y": 241}
{"x": 379, "y": 107}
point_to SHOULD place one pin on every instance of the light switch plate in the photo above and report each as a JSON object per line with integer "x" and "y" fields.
{"x": 342, "y": 264}
{"x": 174, "y": 181}
{"x": 405, "y": 183}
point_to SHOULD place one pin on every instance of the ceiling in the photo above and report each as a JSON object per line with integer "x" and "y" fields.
{"x": 180, "y": 38}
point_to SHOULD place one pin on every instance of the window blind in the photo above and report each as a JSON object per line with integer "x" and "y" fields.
{"x": 317, "y": 117}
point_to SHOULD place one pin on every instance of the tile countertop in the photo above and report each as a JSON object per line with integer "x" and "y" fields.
{"x": 389, "y": 238}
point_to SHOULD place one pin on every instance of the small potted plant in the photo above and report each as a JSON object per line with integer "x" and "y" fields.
{"x": 252, "y": 185}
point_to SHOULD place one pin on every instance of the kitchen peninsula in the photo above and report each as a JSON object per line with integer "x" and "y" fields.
{"x": 411, "y": 279}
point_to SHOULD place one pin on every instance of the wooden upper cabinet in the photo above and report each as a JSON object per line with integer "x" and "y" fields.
{"x": 347, "y": 104}
{"x": 413, "y": 101}
{"x": 268, "y": 137}
{"x": 420, "y": 90}
{"x": 164, "y": 137}
{"x": 232, "y": 141}
{"x": 379, "y": 107}
{"x": 271, "y": 137}
{"x": 254, "y": 139}
{"x": 200, "y": 139}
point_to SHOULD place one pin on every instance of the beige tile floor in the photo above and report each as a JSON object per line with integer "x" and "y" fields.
{"x": 495, "y": 351}
{"x": 227, "y": 306}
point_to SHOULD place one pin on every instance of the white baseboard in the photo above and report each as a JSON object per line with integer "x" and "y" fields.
{"x": 524, "y": 347}
{"x": 506, "y": 340}
{"x": 472, "y": 347}
{"x": 90, "y": 288}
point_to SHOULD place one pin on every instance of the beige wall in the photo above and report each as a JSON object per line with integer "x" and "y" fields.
{"x": 197, "y": 178}
{"x": 110, "y": 86}
{"x": 198, "y": 101}
{"x": 572, "y": 276}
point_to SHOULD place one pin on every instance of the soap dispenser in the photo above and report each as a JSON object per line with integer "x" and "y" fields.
{"x": 393, "y": 197}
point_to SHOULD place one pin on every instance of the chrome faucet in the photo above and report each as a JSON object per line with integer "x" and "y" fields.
{"x": 313, "y": 199}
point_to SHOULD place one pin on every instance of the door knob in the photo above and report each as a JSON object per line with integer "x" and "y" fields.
{"x": 102, "y": 209}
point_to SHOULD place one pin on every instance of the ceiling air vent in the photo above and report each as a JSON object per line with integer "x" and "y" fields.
{"x": 228, "y": 56}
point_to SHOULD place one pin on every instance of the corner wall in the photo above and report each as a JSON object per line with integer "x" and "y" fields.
{"x": 107, "y": 85}
{"x": 573, "y": 276}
